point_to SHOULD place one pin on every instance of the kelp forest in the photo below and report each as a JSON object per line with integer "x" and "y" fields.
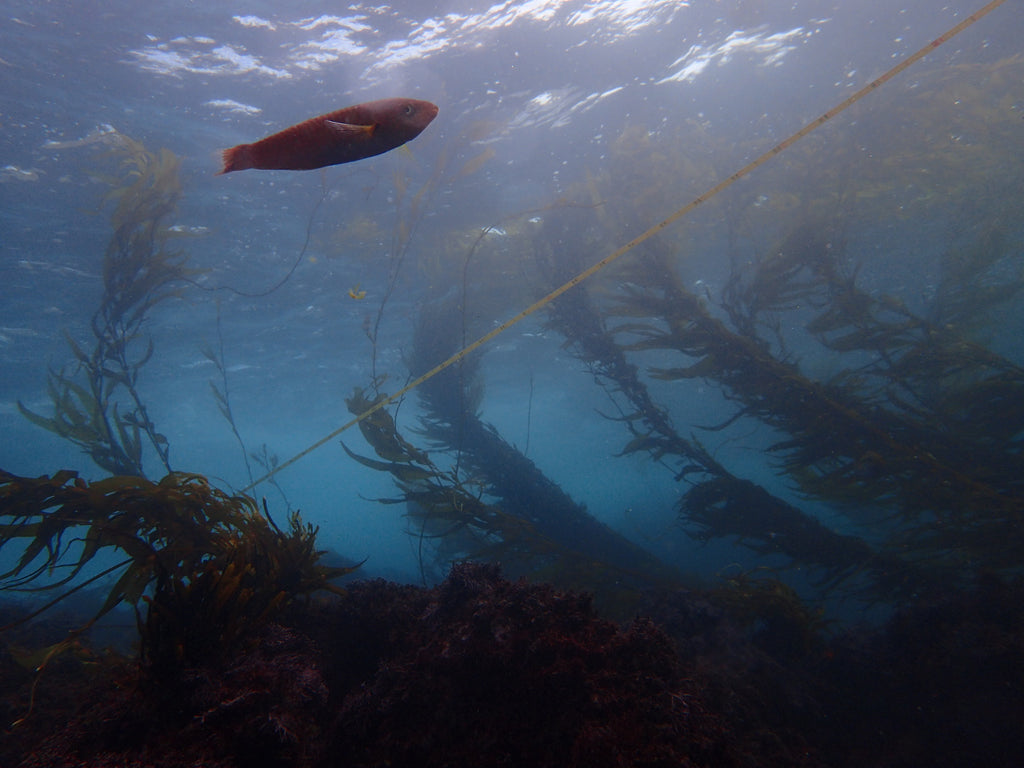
{"x": 843, "y": 421}
{"x": 895, "y": 427}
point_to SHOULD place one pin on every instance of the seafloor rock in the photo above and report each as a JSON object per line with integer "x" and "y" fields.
{"x": 476, "y": 672}
{"x": 497, "y": 673}
{"x": 480, "y": 671}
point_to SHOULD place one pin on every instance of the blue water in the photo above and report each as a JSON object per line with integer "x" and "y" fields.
{"x": 546, "y": 108}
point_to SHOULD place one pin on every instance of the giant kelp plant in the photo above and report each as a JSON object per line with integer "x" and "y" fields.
{"x": 210, "y": 567}
{"x": 849, "y": 440}
{"x": 913, "y": 436}
{"x": 97, "y": 404}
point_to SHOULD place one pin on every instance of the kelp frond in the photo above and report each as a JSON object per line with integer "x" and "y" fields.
{"x": 211, "y": 566}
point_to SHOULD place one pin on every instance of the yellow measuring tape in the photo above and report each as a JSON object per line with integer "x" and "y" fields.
{"x": 591, "y": 271}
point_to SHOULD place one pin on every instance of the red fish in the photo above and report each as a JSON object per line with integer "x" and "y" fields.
{"x": 343, "y": 136}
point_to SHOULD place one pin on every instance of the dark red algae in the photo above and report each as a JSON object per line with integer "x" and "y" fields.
{"x": 482, "y": 672}
{"x": 478, "y": 671}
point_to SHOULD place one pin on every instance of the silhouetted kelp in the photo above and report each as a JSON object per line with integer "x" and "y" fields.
{"x": 718, "y": 503}
{"x": 889, "y": 434}
{"x": 917, "y": 436}
{"x": 97, "y": 405}
{"x": 495, "y": 505}
{"x": 935, "y": 418}
{"x": 589, "y": 554}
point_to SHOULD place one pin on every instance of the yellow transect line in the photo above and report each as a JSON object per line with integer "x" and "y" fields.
{"x": 591, "y": 271}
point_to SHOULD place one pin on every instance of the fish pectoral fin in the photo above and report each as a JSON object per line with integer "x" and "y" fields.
{"x": 350, "y": 130}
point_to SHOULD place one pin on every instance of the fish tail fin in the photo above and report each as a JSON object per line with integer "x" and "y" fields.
{"x": 236, "y": 159}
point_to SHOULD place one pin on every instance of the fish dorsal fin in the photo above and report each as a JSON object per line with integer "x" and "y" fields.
{"x": 349, "y": 130}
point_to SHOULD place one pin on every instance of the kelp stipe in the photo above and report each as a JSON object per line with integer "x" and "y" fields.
{"x": 500, "y": 507}
{"x": 518, "y": 487}
{"x": 410, "y": 207}
{"x": 97, "y": 405}
{"x": 878, "y": 437}
{"x": 944, "y": 449}
{"x": 718, "y": 503}
{"x": 442, "y": 508}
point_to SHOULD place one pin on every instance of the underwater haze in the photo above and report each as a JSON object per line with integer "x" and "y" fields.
{"x": 817, "y": 371}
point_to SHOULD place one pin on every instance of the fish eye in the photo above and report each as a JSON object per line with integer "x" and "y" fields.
{"x": 408, "y": 109}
